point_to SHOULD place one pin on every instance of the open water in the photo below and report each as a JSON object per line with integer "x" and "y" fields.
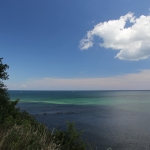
{"x": 110, "y": 119}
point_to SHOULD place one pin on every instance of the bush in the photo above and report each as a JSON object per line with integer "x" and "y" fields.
{"x": 70, "y": 139}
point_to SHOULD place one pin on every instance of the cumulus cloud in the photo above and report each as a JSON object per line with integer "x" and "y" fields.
{"x": 133, "y": 42}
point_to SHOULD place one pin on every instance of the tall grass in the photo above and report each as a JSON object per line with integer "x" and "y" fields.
{"x": 25, "y": 137}
{"x": 24, "y": 133}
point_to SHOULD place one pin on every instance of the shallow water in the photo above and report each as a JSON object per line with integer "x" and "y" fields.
{"x": 116, "y": 119}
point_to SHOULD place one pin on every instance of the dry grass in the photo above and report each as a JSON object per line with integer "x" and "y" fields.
{"x": 25, "y": 137}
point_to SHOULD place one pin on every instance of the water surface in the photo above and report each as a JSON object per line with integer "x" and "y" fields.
{"x": 116, "y": 119}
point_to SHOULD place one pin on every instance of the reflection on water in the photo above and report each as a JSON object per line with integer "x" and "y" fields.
{"x": 116, "y": 119}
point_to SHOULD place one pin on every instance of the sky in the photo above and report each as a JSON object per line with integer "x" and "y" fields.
{"x": 76, "y": 44}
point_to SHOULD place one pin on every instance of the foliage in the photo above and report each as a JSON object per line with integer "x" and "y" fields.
{"x": 7, "y": 107}
{"x": 70, "y": 139}
{"x": 3, "y": 76}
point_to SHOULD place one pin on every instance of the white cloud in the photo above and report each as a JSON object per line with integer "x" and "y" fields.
{"x": 133, "y": 42}
{"x": 134, "y": 81}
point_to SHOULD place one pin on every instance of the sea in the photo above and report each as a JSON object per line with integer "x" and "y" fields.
{"x": 117, "y": 120}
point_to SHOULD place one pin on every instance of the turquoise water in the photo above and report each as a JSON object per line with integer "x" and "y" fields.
{"x": 81, "y": 97}
{"x": 116, "y": 119}
{"x": 132, "y": 100}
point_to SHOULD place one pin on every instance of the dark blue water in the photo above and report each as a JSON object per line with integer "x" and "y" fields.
{"x": 116, "y": 119}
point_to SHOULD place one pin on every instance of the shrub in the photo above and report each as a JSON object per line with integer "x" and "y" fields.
{"x": 70, "y": 139}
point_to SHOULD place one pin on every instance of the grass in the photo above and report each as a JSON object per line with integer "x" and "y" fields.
{"x": 26, "y": 137}
{"x": 23, "y": 132}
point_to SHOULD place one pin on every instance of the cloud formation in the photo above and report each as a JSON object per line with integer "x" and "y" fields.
{"x": 133, "y": 42}
{"x": 133, "y": 81}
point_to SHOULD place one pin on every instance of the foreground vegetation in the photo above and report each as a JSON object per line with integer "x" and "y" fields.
{"x": 20, "y": 131}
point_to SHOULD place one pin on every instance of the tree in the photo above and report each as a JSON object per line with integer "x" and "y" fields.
{"x": 3, "y": 76}
{"x": 7, "y": 107}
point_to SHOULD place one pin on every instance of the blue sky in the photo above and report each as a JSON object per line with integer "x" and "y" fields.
{"x": 76, "y": 45}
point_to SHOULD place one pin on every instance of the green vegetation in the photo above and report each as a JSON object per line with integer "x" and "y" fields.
{"x": 20, "y": 131}
{"x": 70, "y": 139}
{"x": 27, "y": 137}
